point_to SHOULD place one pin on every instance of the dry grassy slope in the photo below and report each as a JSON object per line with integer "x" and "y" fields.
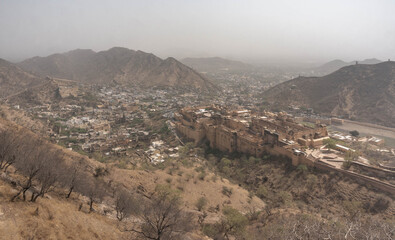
{"x": 323, "y": 198}
{"x": 18, "y": 216}
{"x": 57, "y": 218}
{"x": 88, "y": 164}
{"x": 38, "y": 95}
{"x": 19, "y": 117}
{"x": 117, "y": 64}
{"x": 191, "y": 188}
{"x": 364, "y": 92}
{"x": 13, "y": 79}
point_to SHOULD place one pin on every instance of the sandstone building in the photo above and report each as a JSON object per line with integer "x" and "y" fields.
{"x": 245, "y": 132}
{"x": 254, "y": 134}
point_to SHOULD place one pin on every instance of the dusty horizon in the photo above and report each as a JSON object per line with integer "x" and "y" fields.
{"x": 250, "y": 31}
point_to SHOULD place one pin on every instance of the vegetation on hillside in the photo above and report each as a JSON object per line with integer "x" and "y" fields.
{"x": 294, "y": 196}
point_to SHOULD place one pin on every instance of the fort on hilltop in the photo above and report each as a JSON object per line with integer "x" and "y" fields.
{"x": 251, "y": 133}
{"x": 243, "y": 131}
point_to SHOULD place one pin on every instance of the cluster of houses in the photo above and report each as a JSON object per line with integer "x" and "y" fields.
{"x": 119, "y": 122}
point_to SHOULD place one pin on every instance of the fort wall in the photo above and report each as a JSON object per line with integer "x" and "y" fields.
{"x": 263, "y": 135}
{"x": 196, "y": 135}
{"x": 225, "y": 139}
{"x": 358, "y": 177}
{"x": 250, "y": 145}
{"x": 375, "y": 171}
{"x": 317, "y": 120}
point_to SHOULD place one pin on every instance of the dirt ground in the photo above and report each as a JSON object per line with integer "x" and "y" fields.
{"x": 51, "y": 218}
{"x": 387, "y": 135}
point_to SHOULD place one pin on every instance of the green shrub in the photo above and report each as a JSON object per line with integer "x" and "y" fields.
{"x": 210, "y": 230}
{"x": 312, "y": 181}
{"x": 354, "y": 133}
{"x": 227, "y": 171}
{"x": 330, "y": 143}
{"x": 227, "y": 191}
{"x": 201, "y": 203}
{"x": 352, "y": 207}
{"x": 225, "y": 163}
{"x": 381, "y": 204}
{"x": 233, "y": 223}
{"x": 201, "y": 176}
{"x": 100, "y": 172}
{"x": 262, "y": 192}
{"x": 285, "y": 197}
{"x": 302, "y": 168}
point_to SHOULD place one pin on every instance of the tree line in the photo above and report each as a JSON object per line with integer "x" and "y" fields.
{"x": 40, "y": 168}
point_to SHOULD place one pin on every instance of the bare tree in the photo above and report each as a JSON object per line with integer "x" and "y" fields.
{"x": 162, "y": 218}
{"x": 8, "y": 145}
{"x": 94, "y": 189}
{"x": 232, "y": 223}
{"x": 49, "y": 174}
{"x": 70, "y": 177}
{"x": 29, "y": 163}
{"x": 125, "y": 204}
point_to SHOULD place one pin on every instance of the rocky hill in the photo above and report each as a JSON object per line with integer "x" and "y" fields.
{"x": 335, "y": 65}
{"x": 362, "y": 92}
{"x": 173, "y": 73}
{"x": 45, "y": 93}
{"x": 119, "y": 65}
{"x": 13, "y": 79}
{"x": 216, "y": 64}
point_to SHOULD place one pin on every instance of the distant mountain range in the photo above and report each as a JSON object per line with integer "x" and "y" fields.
{"x": 118, "y": 65}
{"x": 335, "y": 65}
{"x": 362, "y": 92}
{"x": 216, "y": 64}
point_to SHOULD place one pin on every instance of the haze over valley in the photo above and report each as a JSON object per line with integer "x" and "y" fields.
{"x": 220, "y": 120}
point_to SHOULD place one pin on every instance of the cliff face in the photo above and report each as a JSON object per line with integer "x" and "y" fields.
{"x": 362, "y": 92}
{"x": 118, "y": 65}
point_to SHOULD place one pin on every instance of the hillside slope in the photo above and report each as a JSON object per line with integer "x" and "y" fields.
{"x": 335, "y": 65}
{"x": 362, "y": 92}
{"x": 13, "y": 79}
{"x": 54, "y": 216}
{"x": 173, "y": 73}
{"x": 119, "y": 65}
{"x": 51, "y": 218}
{"x": 292, "y": 195}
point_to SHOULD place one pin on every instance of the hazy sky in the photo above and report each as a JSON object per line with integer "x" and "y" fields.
{"x": 294, "y": 30}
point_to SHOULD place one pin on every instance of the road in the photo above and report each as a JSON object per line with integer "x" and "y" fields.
{"x": 388, "y": 134}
